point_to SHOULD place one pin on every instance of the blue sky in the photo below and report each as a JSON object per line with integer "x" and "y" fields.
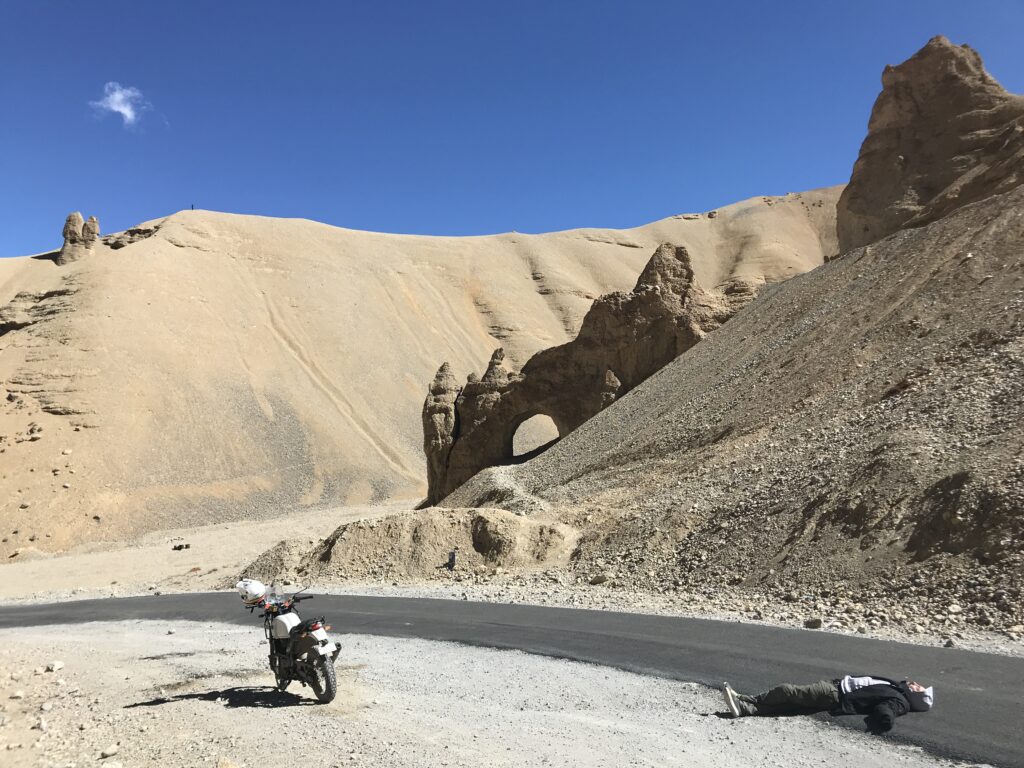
{"x": 442, "y": 117}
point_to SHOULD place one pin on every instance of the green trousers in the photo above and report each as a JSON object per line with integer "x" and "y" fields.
{"x": 787, "y": 699}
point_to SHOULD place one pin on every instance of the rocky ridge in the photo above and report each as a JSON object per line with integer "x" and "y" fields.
{"x": 854, "y": 436}
{"x": 943, "y": 133}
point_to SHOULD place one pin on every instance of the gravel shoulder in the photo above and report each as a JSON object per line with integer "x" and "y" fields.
{"x": 179, "y": 560}
{"x": 202, "y": 696}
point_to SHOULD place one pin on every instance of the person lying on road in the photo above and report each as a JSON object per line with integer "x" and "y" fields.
{"x": 881, "y": 699}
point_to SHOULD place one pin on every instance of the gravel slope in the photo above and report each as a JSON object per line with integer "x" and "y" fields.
{"x": 853, "y": 436}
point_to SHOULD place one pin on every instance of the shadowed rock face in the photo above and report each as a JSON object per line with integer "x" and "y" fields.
{"x": 439, "y": 420}
{"x": 943, "y": 133}
{"x": 79, "y": 238}
{"x": 625, "y": 337}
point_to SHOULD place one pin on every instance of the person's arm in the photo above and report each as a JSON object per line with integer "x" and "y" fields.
{"x": 882, "y": 718}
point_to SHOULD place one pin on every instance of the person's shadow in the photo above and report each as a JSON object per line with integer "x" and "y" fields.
{"x": 727, "y": 715}
{"x": 233, "y": 698}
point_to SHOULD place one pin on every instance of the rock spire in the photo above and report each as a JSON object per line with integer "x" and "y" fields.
{"x": 79, "y": 238}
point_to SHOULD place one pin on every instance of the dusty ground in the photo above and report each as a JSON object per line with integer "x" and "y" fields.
{"x": 200, "y": 696}
{"x": 151, "y": 563}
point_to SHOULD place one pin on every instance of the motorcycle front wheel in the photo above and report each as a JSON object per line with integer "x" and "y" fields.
{"x": 282, "y": 682}
{"x": 324, "y": 683}
{"x": 281, "y": 679}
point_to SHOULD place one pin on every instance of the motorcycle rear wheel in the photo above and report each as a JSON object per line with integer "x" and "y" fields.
{"x": 325, "y": 682}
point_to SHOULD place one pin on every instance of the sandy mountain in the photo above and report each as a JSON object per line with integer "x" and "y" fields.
{"x": 208, "y": 366}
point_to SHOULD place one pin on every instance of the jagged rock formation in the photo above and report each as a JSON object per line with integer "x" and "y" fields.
{"x": 120, "y": 240}
{"x": 625, "y": 337}
{"x": 79, "y": 238}
{"x": 439, "y": 420}
{"x": 943, "y": 133}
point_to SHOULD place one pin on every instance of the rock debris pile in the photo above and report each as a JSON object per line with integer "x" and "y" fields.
{"x": 420, "y": 545}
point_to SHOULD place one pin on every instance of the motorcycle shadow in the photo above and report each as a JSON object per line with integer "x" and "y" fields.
{"x": 233, "y": 698}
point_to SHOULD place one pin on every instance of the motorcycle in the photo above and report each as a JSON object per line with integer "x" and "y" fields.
{"x": 300, "y": 649}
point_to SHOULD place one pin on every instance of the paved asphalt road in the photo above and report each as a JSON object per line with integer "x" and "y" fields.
{"x": 978, "y": 715}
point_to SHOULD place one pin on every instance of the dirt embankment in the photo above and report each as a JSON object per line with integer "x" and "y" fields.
{"x": 416, "y": 545}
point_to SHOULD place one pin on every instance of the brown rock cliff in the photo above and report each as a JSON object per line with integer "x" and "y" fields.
{"x": 943, "y": 133}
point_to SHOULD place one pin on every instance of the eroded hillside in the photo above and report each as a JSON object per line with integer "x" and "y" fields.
{"x": 207, "y": 366}
{"x": 856, "y": 431}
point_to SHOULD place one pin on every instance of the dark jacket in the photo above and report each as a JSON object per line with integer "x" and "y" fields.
{"x": 881, "y": 703}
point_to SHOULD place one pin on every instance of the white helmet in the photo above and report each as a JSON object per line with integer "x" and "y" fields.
{"x": 252, "y": 591}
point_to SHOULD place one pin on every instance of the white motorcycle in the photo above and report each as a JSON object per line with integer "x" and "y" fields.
{"x": 299, "y": 648}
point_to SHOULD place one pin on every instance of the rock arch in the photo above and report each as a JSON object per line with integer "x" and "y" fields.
{"x": 624, "y": 338}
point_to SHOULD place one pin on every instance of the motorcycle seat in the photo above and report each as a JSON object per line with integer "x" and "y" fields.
{"x": 308, "y": 624}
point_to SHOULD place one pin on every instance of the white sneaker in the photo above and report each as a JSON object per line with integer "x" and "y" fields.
{"x": 730, "y": 700}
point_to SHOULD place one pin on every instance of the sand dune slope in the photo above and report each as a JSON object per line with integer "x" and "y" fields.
{"x": 213, "y": 366}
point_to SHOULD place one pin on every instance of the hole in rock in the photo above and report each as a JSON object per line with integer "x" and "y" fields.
{"x": 534, "y": 434}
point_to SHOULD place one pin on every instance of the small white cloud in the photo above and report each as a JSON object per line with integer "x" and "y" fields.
{"x": 126, "y": 101}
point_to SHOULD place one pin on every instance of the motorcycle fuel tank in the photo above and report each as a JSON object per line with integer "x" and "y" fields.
{"x": 284, "y": 624}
